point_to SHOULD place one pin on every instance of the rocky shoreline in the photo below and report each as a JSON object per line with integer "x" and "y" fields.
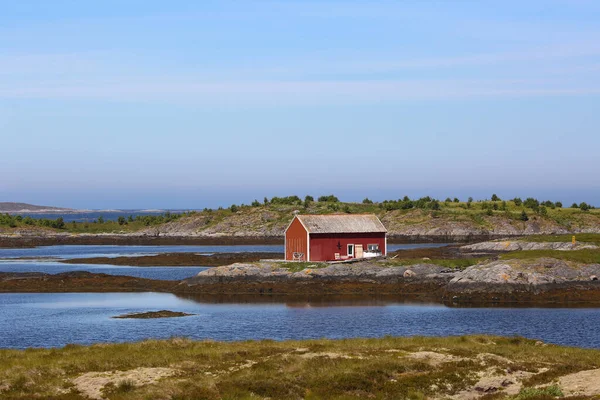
{"x": 25, "y": 241}
{"x": 499, "y": 281}
{"x": 79, "y": 282}
{"x": 512, "y": 282}
{"x": 493, "y": 272}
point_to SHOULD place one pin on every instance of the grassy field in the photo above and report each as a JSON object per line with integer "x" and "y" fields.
{"x": 387, "y": 368}
{"x": 586, "y": 256}
{"x": 593, "y": 238}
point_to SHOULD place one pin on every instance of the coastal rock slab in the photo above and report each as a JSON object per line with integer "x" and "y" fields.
{"x": 508, "y": 245}
{"x": 509, "y": 275}
{"x": 353, "y": 272}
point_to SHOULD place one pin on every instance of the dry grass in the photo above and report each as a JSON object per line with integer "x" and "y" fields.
{"x": 316, "y": 369}
{"x": 581, "y": 237}
{"x": 586, "y": 256}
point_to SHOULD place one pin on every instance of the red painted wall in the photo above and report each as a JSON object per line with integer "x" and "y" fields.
{"x": 295, "y": 240}
{"x": 324, "y": 246}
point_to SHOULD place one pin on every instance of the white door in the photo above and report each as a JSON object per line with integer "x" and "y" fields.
{"x": 350, "y": 250}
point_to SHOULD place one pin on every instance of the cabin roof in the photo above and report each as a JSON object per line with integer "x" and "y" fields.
{"x": 342, "y": 223}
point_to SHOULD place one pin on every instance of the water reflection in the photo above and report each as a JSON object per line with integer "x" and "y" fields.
{"x": 56, "y": 319}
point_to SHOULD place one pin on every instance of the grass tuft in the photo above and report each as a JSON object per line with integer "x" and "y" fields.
{"x": 548, "y": 392}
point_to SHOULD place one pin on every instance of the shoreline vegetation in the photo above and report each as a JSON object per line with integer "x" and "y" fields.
{"x": 178, "y": 259}
{"x": 407, "y": 220}
{"x": 464, "y": 367}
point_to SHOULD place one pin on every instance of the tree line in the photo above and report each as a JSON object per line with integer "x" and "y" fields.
{"x": 59, "y": 223}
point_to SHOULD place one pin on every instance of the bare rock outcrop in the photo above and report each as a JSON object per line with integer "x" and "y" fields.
{"x": 536, "y": 276}
{"x": 365, "y": 272}
{"x": 516, "y": 245}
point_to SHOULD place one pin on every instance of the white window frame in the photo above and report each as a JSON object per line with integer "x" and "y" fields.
{"x": 348, "y": 247}
{"x": 375, "y": 247}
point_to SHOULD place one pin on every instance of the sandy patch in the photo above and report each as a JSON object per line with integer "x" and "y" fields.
{"x": 581, "y": 383}
{"x": 247, "y": 364}
{"x": 433, "y": 358}
{"x": 486, "y": 357}
{"x": 91, "y": 384}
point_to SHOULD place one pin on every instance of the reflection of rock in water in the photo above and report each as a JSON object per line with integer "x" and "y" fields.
{"x": 302, "y": 301}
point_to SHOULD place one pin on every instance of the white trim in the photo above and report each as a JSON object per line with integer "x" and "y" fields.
{"x": 348, "y": 249}
{"x": 307, "y": 246}
{"x": 385, "y": 254}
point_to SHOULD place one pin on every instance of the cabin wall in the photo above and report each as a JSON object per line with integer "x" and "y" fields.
{"x": 296, "y": 240}
{"x": 324, "y": 246}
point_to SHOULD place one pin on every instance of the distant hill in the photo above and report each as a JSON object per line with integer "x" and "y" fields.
{"x": 8, "y": 207}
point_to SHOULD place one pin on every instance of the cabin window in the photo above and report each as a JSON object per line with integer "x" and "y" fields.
{"x": 372, "y": 247}
{"x": 351, "y": 250}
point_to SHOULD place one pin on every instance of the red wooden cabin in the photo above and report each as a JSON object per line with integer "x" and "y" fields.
{"x": 334, "y": 237}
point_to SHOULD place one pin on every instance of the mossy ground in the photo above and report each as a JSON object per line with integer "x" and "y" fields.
{"x": 315, "y": 369}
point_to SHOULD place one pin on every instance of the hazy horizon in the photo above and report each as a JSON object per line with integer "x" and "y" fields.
{"x": 181, "y": 105}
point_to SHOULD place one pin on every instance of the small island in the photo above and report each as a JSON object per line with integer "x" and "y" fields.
{"x": 154, "y": 314}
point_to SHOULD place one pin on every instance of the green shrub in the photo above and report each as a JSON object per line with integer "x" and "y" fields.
{"x": 328, "y": 199}
{"x": 524, "y": 216}
{"x": 289, "y": 200}
{"x": 539, "y": 393}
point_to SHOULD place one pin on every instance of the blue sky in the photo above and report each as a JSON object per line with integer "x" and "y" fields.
{"x": 187, "y": 104}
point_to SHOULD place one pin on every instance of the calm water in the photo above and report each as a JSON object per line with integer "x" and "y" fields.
{"x": 51, "y": 320}
{"x": 53, "y": 267}
{"x": 44, "y": 259}
{"x": 84, "y": 251}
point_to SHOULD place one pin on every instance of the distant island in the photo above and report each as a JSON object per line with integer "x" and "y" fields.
{"x": 13, "y": 208}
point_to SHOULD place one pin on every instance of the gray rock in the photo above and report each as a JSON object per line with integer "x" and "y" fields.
{"x": 509, "y": 275}
{"x": 512, "y": 245}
